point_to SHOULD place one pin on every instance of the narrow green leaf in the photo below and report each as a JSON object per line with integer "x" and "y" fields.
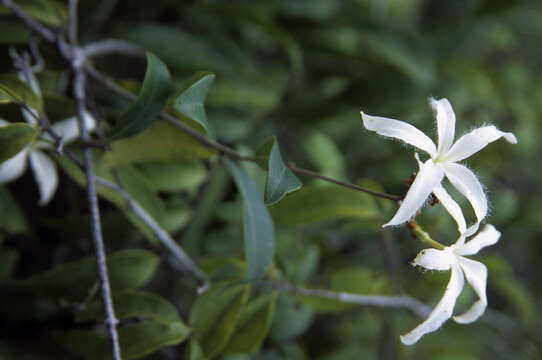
{"x": 280, "y": 179}
{"x": 157, "y": 87}
{"x": 160, "y": 142}
{"x": 253, "y": 325}
{"x": 130, "y": 304}
{"x": 189, "y": 103}
{"x": 49, "y": 12}
{"x": 14, "y": 90}
{"x": 257, "y": 225}
{"x": 14, "y": 137}
{"x": 136, "y": 340}
{"x": 214, "y": 315}
{"x": 314, "y": 203}
{"x": 129, "y": 269}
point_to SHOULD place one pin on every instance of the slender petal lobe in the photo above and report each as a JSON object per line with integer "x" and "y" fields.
{"x": 399, "y": 130}
{"x": 476, "y": 274}
{"x": 45, "y": 174}
{"x": 442, "y": 312}
{"x": 445, "y": 123}
{"x": 433, "y": 259}
{"x": 488, "y": 236}
{"x": 13, "y": 168}
{"x": 467, "y": 183}
{"x": 452, "y": 207}
{"x": 429, "y": 176}
{"x": 68, "y": 129}
{"x": 475, "y": 141}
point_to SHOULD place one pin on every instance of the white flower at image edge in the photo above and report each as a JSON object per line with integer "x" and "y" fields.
{"x": 443, "y": 159}
{"x": 43, "y": 168}
{"x": 452, "y": 258}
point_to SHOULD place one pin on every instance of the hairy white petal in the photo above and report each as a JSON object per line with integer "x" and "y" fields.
{"x": 68, "y": 129}
{"x": 475, "y": 141}
{"x": 452, "y": 207}
{"x": 429, "y": 176}
{"x": 476, "y": 275}
{"x": 442, "y": 312}
{"x": 399, "y": 130}
{"x": 45, "y": 174}
{"x": 433, "y": 259}
{"x": 487, "y": 237}
{"x": 445, "y": 124}
{"x": 14, "y": 167}
{"x": 466, "y": 182}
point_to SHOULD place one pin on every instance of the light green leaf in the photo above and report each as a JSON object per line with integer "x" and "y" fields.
{"x": 214, "y": 315}
{"x": 325, "y": 155}
{"x": 129, "y": 269}
{"x": 290, "y": 320}
{"x": 49, "y": 12}
{"x": 160, "y": 142}
{"x": 13, "y": 32}
{"x": 189, "y": 103}
{"x": 258, "y": 227}
{"x": 280, "y": 179}
{"x": 136, "y": 340}
{"x": 14, "y": 137}
{"x": 14, "y": 90}
{"x": 157, "y": 87}
{"x": 130, "y": 304}
{"x": 172, "y": 177}
{"x": 253, "y": 325}
{"x": 314, "y": 203}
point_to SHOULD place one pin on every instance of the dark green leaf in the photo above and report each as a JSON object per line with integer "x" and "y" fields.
{"x": 130, "y": 304}
{"x": 313, "y": 203}
{"x": 13, "y": 32}
{"x": 253, "y": 325}
{"x": 12, "y": 219}
{"x": 136, "y": 340}
{"x": 14, "y": 137}
{"x": 8, "y": 260}
{"x": 129, "y": 269}
{"x": 190, "y": 101}
{"x": 214, "y": 316}
{"x": 14, "y": 90}
{"x": 257, "y": 225}
{"x": 280, "y": 179}
{"x": 157, "y": 87}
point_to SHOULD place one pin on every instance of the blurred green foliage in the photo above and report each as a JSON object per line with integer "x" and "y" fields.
{"x": 300, "y": 70}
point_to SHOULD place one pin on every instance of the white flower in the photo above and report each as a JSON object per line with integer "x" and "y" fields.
{"x": 452, "y": 258}
{"x": 443, "y": 160}
{"x": 44, "y": 169}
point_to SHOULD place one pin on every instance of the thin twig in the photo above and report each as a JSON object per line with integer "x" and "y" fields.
{"x": 163, "y": 236}
{"x": 112, "y": 46}
{"x": 31, "y": 23}
{"x": 397, "y": 302}
{"x": 72, "y": 21}
{"x": 79, "y": 84}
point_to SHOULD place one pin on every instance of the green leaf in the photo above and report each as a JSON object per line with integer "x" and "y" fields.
{"x": 160, "y": 142}
{"x": 173, "y": 177}
{"x": 280, "y": 179}
{"x": 314, "y": 203}
{"x": 130, "y": 304}
{"x": 129, "y": 269}
{"x": 214, "y": 315}
{"x": 257, "y": 225}
{"x": 8, "y": 260}
{"x": 14, "y": 90}
{"x": 253, "y": 325}
{"x": 13, "y": 33}
{"x": 12, "y": 219}
{"x": 49, "y": 12}
{"x": 325, "y": 155}
{"x": 290, "y": 320}
{"x": 157, "y": 87}
{"x": 14, "y": 137}
{"x": 190, "y": 101}
{"x": 136, "y": 340}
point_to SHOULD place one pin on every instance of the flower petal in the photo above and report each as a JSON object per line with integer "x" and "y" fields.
{"x": 45, "y": 174}
{"x": 442, "y": 312}
{"x": 68, "y": 129}
{"x": 476, "y": 274}
{"x": 399, "y": 130}
{"x": 467, "y": 183}
{"x": 433, "y": 259}
{"x": 451, "y": 206}
{"x": 445, "y": 124}
{"x": 429, "y": 176}
{"x": 475, "y": 141}
{"x": 14, "y": 167}
{"x": 487, "y": 237}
